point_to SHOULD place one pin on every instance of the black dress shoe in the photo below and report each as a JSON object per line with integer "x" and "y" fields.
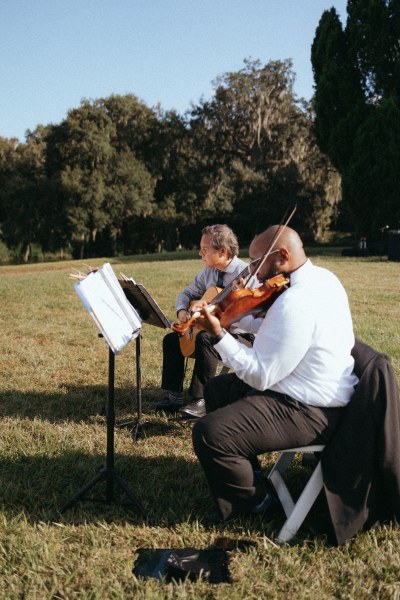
{"x": 196, "y": 409}
{"x": 269, "y": 501}
{"x": 168, "y": 405}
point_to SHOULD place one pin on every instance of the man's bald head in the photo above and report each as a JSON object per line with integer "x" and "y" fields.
{"x": 288, "y": 238}
{"x": 287, "y": 252}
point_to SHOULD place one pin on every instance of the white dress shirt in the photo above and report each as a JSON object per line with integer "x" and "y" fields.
{"x": 303, "y": 344}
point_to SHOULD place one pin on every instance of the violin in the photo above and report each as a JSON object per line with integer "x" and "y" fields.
{"x": 239, "y": 303}
{"x": 246, "y": 301}
{"x": 242, "y": 302}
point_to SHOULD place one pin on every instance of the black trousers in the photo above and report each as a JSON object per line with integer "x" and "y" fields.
{"x": 241, "y": 424}
{"x": 205, "y": 366}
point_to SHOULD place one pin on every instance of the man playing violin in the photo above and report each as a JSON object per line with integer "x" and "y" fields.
{"x": 219, "y": 250}
{"x": 288, "y": 389}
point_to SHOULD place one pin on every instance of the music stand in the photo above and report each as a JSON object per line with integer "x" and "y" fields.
{"x": 119, "y": 323}
{"x": 108, "y": 472}
{"x": 150, "y": 313}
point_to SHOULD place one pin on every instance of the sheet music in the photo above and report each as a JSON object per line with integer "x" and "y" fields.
{"x": 141, "y": 299}
{"x": 106, "y": 303}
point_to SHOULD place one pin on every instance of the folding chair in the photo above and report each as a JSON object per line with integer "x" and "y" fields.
{"x": 366, "y": 361}
{"x": 295, "y": 511}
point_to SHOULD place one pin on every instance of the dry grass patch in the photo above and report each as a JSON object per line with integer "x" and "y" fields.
{"x": 53, "y": 386}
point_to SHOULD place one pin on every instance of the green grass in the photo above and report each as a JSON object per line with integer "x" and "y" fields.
{"x": 53, "y": 385}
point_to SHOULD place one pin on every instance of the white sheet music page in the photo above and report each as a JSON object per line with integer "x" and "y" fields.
{"x": 106, "y": 303}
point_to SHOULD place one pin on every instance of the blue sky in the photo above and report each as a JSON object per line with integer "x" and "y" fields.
{"x": 54, "y": 53}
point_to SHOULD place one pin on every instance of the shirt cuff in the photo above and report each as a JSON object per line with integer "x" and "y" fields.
{"x": 217, "y": 338}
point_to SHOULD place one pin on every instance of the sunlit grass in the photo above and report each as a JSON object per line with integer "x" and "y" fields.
{"x": 53, "y": 386}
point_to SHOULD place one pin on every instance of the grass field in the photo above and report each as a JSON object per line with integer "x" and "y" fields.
{"x": 53, "y": 387}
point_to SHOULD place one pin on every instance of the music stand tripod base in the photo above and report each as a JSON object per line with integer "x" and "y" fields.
{"x": 111, "y": 476}
{"x": 108, "y": 472}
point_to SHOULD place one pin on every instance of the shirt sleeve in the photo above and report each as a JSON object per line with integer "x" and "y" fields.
{"x": 281, "y": 343}
{"x": 194, "y": 291}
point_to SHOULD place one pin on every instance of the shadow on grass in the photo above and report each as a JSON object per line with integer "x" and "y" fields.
{"x": 75, "y": 403}
{"x": 171, "y": 490}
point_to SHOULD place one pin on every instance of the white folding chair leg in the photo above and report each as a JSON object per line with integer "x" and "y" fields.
{"x": 302, "y": 506}
{"x": 297, "y": 511}
{"x": 277, "y": 480}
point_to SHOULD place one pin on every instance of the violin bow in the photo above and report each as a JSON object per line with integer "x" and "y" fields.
{"x": 284, "y": 222}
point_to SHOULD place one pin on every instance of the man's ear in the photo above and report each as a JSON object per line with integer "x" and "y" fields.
{"x": 284, "y": 255}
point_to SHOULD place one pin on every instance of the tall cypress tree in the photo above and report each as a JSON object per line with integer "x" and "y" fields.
{"x": 357, "y": 83}
{"x": 339, "y": 100}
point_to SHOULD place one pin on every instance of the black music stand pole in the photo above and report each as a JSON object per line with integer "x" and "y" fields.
{"x": 139, "y": 421}
{"x": 108, "y": 472}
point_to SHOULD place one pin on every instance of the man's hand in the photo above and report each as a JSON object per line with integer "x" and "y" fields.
{"x": 238, "y": 284}
{"x": 183, "y": 315}
{"x": 208, "y": 320}
{"x": 196, "y": 305}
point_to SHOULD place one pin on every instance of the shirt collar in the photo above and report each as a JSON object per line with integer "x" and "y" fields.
{"x": 300, "y": 272}
{"x": 232, "y": 265}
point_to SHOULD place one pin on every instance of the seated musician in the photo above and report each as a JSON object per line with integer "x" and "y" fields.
{"x": 219, "y": 252}
{"x": 288, "y": 389}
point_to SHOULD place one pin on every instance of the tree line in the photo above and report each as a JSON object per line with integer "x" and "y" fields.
{"x": 118, "y": 177}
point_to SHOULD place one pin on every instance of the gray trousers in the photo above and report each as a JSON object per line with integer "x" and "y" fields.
{"x": 242, "y": 423}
